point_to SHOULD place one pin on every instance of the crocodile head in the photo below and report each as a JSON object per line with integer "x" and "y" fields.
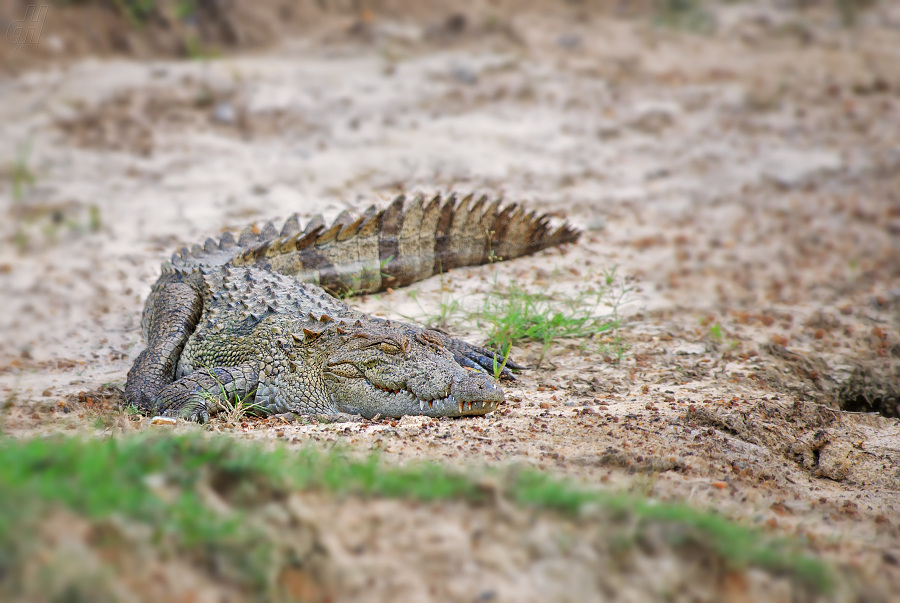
{"x": 394, "y": 370}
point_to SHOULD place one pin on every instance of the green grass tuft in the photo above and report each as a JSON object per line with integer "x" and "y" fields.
{"x": 20, "y": 174}
{"x": 739, "y": 546}
{"x": 511, "y": 314}
{"x": 101, "y": 478}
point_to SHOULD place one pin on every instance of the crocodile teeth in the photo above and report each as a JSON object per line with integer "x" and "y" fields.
{"x": 431, "y": 404}
{"x": 460, "y": 407}
{"x": 421, "y": 404}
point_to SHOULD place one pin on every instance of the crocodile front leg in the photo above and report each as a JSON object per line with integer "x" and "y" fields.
{"x": 481, "y": 359}
{"x": 173, "y": 311}
{"x": 469, "y": 355}
{"x": 207, "y": 391}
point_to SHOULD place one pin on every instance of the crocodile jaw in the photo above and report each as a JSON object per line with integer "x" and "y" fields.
{"x": 476, "y": 395}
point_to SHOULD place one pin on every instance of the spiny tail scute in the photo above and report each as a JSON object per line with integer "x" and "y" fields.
{"x": 401, "y": 244}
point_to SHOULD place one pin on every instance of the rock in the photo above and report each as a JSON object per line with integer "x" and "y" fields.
{"x": 834, "y": 461}
{"x": 401, "y": 32}
{"x": 690, "y": 349}
{"x": 597, "y": 223}
{"x": 608, "y": 130}
{"x": 654, "y": 117}
{"x": 456, "y": 24}
{"x": 464, "y": 75}
{"x": 224, "y": 113}
{"x": 569, "y": 41}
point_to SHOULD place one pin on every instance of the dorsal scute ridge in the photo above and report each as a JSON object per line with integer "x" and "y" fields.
{"x": 247, "y": 238}
{"x": 450, "y": 212}
{"x": 268, "y": 231}
{"x": 343, "y": 219}
{"x": 317, "y": 221}
{"x": 227, "y": 241}
{"x": 329, "y": 235}
{"x": 350, "y": 229}
{"x": 477, "y": 210}
{"x": 305, "y": 239}
{"x": 291, "y": 225}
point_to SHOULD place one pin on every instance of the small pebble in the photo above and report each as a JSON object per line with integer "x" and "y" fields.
{"x": 224, "y": 113}
{"x": 569, "y": 41}
{"x": 464, "y": 75}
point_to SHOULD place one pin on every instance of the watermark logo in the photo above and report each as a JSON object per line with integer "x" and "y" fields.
{"x": 25, "y": 33}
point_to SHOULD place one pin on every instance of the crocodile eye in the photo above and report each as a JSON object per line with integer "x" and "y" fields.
{"x": 345, "y": 370}
{"x": 390, "y": 348}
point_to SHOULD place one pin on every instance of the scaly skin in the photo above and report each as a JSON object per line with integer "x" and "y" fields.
{"x": 243, "y": 319}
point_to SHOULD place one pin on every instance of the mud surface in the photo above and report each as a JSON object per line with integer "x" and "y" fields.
{"x": 744, "y": 182}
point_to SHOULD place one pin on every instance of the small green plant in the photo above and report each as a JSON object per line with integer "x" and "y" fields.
{"x": 136, "y": 11}
{"x": 498, "y": 367}
{"x": 94, "y": 219}
{"x": 491, "y": 256}
{"x": 236, "y": 408}
{"x": 194, "y": 48}
{"x": 715, "y": 332}
{"x": 20, "y": 174}
{"x": 6, "y": 407}
{"x": 510, "y": 314}
{"x": 21, "y": 239}
{"x": 132, "y": 410}
{"x": 614, "y": 349}
{"x": 29, "y": 219}
{"x": 689, "y": 15}
{"x": 448, "y": 306}
{"x": 185, "y": 9}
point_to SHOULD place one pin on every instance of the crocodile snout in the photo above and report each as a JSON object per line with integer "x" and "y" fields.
{"x": 475, "y": 387}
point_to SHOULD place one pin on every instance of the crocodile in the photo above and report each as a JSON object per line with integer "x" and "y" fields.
{"x": 257, "y": 317}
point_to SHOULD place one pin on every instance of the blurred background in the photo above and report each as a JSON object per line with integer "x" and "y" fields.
{"x": 755, "y": 140}
{"x": 130, "y": 127}
{"x": 738, "y": 161}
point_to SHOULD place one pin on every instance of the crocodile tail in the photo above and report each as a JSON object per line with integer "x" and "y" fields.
{"x": 406, "y": 242}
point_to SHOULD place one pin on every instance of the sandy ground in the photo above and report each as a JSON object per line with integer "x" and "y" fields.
{"x": 746, "y": 185}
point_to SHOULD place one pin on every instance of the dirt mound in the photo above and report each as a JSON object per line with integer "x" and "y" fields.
{"x": 869, "y": 383}
{"x": 207, "y": 28}
{"x": 872, "y": 388}
{"x": 142, "y": 29}
{"x": 840, "y": 446}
